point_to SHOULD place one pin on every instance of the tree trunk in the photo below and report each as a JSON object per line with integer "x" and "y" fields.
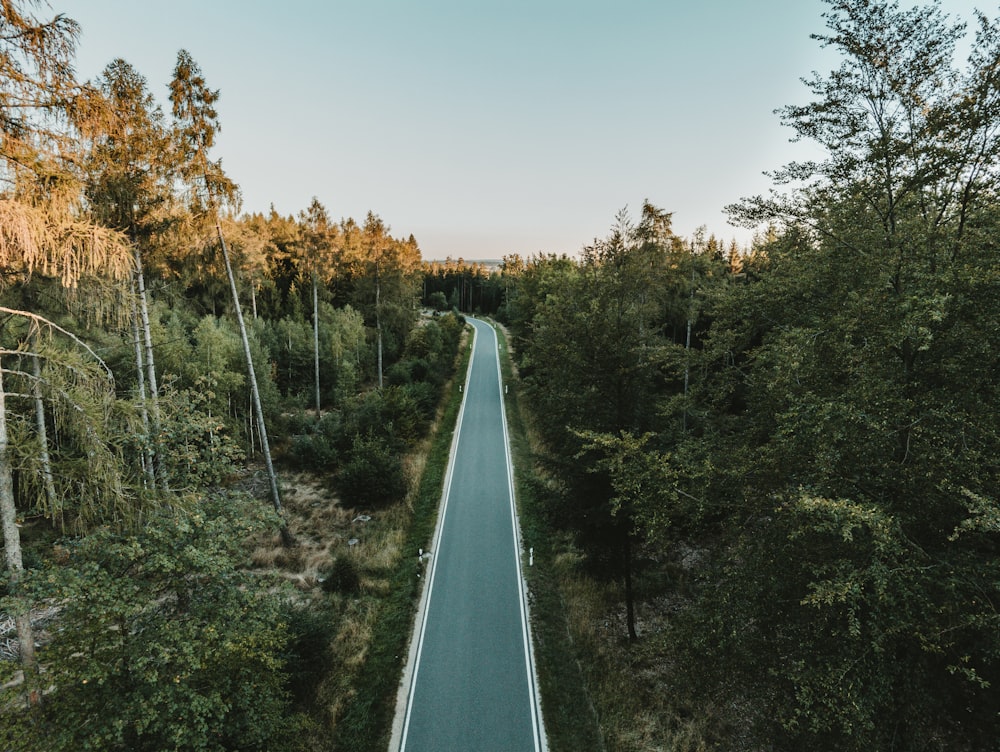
{"x": 629, "y": 595}
{"x": 43, "y": 437}
{"x": 378, "y": 321}
{"x": 154, "y": 390}
{"x": 254, "y": 391}
{"x": 147, "y": 450}
{"x": 12, "y": 551}
{"x": 316, "y": 340}
{"x": 687, "y": 347}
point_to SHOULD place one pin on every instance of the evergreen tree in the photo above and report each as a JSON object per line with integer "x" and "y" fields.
{"x": 197, "y": 122}
{"x": 129, "y": 190}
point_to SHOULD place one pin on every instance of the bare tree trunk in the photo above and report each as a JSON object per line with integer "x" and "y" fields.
{"x": 378, "y": 320}
{"x": 43, "y": 437}
{"x": 147, "y": 451}
{"x": 316, "y": 339}
{"x": 254, "y": 391}
{"x": 629, "y": 593}
{"x": 154, "y": 390}
{"x": 12, "y": 551}
{"x": 687, "y": 346}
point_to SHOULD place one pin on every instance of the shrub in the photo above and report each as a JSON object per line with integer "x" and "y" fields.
{"x": 164, "y": 641}
{"x": 438, "y": 301}
{"x": 425, "y": 395}
{"x": 373, "y": 473}
{"x": 311, "y": 630}
{"x": 315, "y": 445}
{"x": 199, "y": 450}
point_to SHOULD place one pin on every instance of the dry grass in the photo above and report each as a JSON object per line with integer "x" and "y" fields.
{"x": 632, "y": 684}
{"x": 323, "y": 529}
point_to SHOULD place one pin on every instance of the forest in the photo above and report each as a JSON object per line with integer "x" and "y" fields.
{"x": 760, "y": 482}
{"x": 202, "y": 413}
{"x": 782, "y": 465}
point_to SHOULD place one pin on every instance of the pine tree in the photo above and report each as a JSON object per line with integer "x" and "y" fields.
{"x": 197, "y": 123}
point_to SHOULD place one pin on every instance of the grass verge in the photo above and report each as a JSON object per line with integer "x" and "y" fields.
{"x": 366, "y": 723}
{"x": 571, "y": 723}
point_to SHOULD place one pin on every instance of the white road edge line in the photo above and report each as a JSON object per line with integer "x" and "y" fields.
{"x": 416, "y": 649}
{"x": 537, "y": 723}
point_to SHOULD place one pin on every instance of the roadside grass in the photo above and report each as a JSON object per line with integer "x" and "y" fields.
{"x": 571, "y": 721}
{"x": 366, "y": 714}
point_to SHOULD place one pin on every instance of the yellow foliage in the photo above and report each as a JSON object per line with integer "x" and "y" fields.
{"x": 57, "y": 244}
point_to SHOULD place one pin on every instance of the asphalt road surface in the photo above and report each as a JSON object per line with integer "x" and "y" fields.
{"x": 470, "y": 683}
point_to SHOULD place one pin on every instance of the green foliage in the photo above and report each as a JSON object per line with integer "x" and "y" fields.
{"x": 827, "y": 442}
{"x": 311, "y": 630}
{"x": 83, "y": 452}
{"x": 216, "y": 354}
{"x": 372, "y": 473}
{"x": 289, "y": 342}
{"x": 594, "y": 353}
{"x": 161, "y": 641}
{"x": 438, "y": 301}
{"x": 390, "y": 420}
{"x": 841, "y": 403}
{"x": 644, "y": 482}
{"x": 347, "y": 348}
{"x": 461, "y": 285}
{"x": 202, "y": 452}
{"x": 314, "y": 445}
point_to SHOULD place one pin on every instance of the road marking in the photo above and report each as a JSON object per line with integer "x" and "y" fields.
{"x": 537, "y": 725}
{"x": 436, "y": 547}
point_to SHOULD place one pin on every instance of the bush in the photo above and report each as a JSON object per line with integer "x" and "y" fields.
{"x": 311, "y": 630}
{"x": 425, "y": 395}
{"x": 315, "y": 445}
{"x": 311, "y": 451}
{"x": 198, "y": 449}
{"x": 373, "y": 473}
{"x": 164, "y": 641}
{"x": 438, "y": 301}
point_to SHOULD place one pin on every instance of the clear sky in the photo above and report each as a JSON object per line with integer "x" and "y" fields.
{"x": 485, "y": 128}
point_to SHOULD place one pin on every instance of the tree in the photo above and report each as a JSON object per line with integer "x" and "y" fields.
{"x": 197, "y": 122}
{"x": 35, "y": 78}
{"x": 384, "y": 273}
{"x": 910, "y": 143}
{"x": 844, "y": 404}
{"x": 165, "y": 641}
{"x": 642, "y": 490}
{"x": 129, "y": 190}
{"x": 319, "y": 245}
{"x": 590, "y": 368}
{"x": 39, "y": 232}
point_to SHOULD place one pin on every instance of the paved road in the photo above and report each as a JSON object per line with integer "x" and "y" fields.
{"x": 471, "y": 675}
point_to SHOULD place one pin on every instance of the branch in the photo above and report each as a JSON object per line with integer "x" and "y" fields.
{"x": 42, "y": 321}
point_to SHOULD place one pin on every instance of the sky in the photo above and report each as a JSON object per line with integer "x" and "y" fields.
{"x": 485, "y": 128}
